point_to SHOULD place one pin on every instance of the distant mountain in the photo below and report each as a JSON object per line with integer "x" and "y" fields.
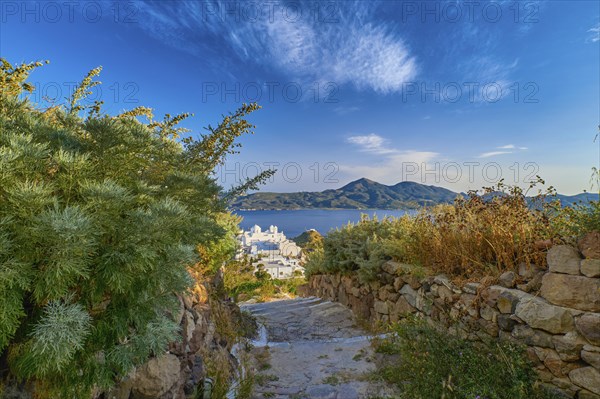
{"x": 367, "y": 194}
{"x": 359, "y": 194}
{"x": 570, "y": 200}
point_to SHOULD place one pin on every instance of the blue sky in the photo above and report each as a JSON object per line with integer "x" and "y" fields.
{"x": 453, "y": 93}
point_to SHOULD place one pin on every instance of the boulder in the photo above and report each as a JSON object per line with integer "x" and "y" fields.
{"x": 540, "y": 314}
{"x": 586, "y": 377}
{"x": 590, "y": 267}
{"x": 157, "y": 377}
{"x": 588, "y": 324}
{"x": 577, "y": 292}
{"x": 589, "y": 245}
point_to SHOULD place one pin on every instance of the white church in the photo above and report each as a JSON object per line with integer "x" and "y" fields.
{"x": 270, "y": 242}
{"x": 277, "y": 255}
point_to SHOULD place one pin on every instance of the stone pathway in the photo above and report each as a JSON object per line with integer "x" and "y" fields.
{"x": 311, "y": 348}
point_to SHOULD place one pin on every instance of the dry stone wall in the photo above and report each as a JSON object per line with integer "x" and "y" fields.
{"x": 554, "y": 312}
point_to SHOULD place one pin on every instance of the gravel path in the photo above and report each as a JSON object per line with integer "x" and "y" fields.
{"x": 311, "y": 348}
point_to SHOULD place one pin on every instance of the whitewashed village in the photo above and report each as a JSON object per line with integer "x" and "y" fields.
{"x": 271, "y": 251}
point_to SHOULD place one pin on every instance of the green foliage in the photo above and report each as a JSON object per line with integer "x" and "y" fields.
{"x": 243, "y": 283}
{"x": 435, "y": 365}
{"x": 575, "y": 221}
{"x": 102, "y": 221}
{"x": 362, "y": 247}
{"x": 309, "y": 241}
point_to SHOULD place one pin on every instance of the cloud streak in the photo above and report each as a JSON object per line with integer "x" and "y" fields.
{"x": 347, "y": 51}
{"x": 503, "y": 151}
{"x": 594, "y": 34}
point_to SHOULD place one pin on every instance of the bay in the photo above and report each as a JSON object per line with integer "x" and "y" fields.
{"x": 293, "y": 222}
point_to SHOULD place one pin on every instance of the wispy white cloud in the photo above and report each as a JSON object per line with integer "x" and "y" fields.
{"x": 594, "y": 34}
{"x": 503, "y": 151}
{"x": 371, "y": 143}
{"x": 349, "y": 51}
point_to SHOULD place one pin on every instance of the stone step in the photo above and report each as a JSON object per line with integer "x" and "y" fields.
{"x": 283, "y": 307}
{"x": 278, "y": 304}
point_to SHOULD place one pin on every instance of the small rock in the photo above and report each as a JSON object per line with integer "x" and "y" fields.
{"x": 591, "y": 358}
{"x": 552, "y": 361}
{"x": 156, "y": 377}
{"x": 589, "y": 245}
{"x": 507, "y": 279}
{"x": 588, "y": 324}
{"x": 381, "y": 307}
{"x": 563, "y": 259}
{"x": 409, "y": 294}
{"x": 487, "y": 313}
{"x": 508, "y": 300}
{"x": 391, "y": 267}
{"x": 471, "y": 288}
{"x": 505, "y": 322}
{"x": 534, "y": 284}
{"x": 569, "y": 346}
{"x": 398, "y": 283}
{"x": 403, "y": 307}
{"x": 531, "y": 337}
{"x": 590, "y": 267}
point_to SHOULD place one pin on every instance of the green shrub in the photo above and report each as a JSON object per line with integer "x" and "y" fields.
{"x": 242, "y": 282}
{"x": 573, "y": 222}
{"x": 432, "y": 364}
{"x": 101, "y": 220}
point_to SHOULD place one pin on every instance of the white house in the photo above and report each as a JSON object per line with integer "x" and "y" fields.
{"x": 278, "y": 255}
